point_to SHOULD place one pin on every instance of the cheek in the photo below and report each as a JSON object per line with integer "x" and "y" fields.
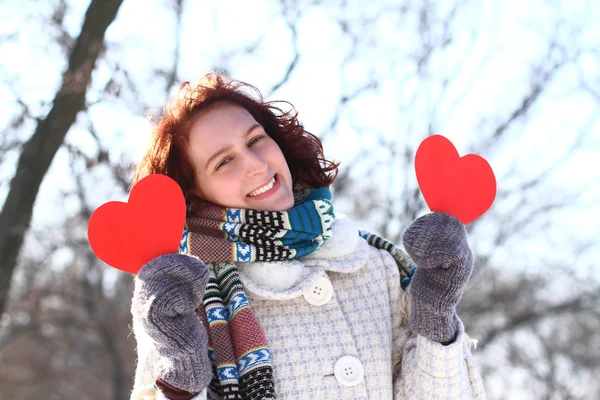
{"x": 277, "y": 156}
{"x": 286, "y": 168}
{"x": 224, "y": 187}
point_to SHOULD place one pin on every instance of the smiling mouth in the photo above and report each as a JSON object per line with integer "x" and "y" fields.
{"x": 264, "y": 189}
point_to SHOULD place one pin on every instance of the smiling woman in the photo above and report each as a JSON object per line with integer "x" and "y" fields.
{"x": 236, "y": 163}
{"x": 273, "y": 295}
{"x": 218, "y": 120}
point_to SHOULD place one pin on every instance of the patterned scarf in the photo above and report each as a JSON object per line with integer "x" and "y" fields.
{"x": 238, "y": 347}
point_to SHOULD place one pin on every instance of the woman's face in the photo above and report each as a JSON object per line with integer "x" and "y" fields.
{"x": 237, "y": 164}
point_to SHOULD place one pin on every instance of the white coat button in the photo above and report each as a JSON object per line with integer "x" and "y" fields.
{"x": 320, "y": 292}
{"x": 348, "y": 370}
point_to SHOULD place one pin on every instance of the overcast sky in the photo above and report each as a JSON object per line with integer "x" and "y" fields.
{"x": 488, "y": 65}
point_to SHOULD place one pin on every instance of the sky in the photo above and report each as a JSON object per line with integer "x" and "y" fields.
{"x": 493, "y": 57}
{"x": 488, "y": 65}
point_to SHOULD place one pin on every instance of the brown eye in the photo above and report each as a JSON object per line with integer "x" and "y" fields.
{"x": 223, "y": 163}
{"x": 255, "y": 139}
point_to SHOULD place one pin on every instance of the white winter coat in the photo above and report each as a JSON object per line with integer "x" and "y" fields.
{"x": 337, "y": 325}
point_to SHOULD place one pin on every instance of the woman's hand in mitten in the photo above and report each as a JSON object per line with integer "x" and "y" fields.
{"x": 167, "y": 292}
{"x": 437, "y": 243}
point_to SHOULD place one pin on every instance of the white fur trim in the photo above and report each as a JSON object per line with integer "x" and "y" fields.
{"x": 277, "y": 275}
{"x": 343, "y": 241}
{"x": 470, "y": 342}
{"x": 282, "y": 275}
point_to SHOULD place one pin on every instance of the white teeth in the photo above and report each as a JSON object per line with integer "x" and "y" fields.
{"x": 263, "y": 189}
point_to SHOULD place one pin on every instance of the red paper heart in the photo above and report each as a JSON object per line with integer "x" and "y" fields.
{"x": 128, "y": 235}
{"x": 464, "y": 187}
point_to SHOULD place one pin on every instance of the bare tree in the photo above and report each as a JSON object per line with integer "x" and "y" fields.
{"x": 69, "y": 315}
{"x": 37, "y": 153}
{"x": 534, "y": 310}
{"x": 509, "y": 313}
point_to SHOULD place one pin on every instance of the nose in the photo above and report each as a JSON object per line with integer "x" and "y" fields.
{"x": 255, "y": 164}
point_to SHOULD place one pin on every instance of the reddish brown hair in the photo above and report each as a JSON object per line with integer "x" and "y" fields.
{"x": 167, "y": 153}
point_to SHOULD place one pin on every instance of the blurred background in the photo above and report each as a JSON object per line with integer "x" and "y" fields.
{"x": 518, "y": 83}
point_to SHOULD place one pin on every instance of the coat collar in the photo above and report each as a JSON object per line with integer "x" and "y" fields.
{"x": 348, "y": 253}
{"x": 344, "y": 252}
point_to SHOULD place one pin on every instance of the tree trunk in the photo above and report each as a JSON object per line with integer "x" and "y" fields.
{"x": 49, "y": 134}
{"x": 120, "y": 389}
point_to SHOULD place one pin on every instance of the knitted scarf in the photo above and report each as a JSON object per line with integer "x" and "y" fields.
{"x": 220, "y": 236}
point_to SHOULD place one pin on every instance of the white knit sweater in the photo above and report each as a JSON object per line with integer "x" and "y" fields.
{"x": 365, "y": 318}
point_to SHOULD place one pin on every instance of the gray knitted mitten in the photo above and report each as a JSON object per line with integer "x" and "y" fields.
{"x": 437, "y": 243}
{"x": 167, "y": 292}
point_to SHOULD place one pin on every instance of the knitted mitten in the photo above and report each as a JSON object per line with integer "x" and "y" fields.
{"x": 167, "y": 292}
{"x": 437, "y": 243}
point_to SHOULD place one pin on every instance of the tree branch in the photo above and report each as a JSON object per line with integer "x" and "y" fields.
{"x": 293, "y": 63}
{"x": 530, "y": 317}
{"x": 38, "y": 152}
{"x": 172, "y": 74}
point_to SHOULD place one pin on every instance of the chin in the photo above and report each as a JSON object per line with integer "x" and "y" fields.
{"x": 279, "y": 207}
{"x": 288, "y": 202}
{"x": 282, "y": 205}
{"x": 289, "y": 206}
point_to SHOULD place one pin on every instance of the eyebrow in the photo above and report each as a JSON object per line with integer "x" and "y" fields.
{"x": 228, "y": 147}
